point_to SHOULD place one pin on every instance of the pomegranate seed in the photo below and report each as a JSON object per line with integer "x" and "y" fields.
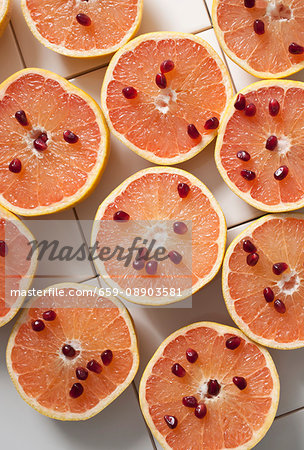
{"x": 250, "y": 110}
{"x": 151, "y": 267}
{"x": 142, "y": 253}
{"x": 138, "y": 264}
{"x": 211, "y": 124}
{"x": 129, "y": 92}
{"x": 191, "y": 355}
{"x": 3, "y": 248}
{"x": 171, "y": 421}
{"x": 161, "y": 81}
{"x": 252, "y": 259}
{"x": 281, "y": 173}
{"x": 213, "y": 387}
{"x": 121, "y": 216}
{"x": 249, "y": 247}
{"x": 83, "y": 19}
{"x": 279, "y": 268}
{"x": 175, "y": 257}
{"x": 21, "y": 117}
{"x": 249, "y": 175}
{"x": 190, "y": 402}
{"x": 15, "y": 166}
{"x": 240, "y": 102}
{"x": 259, "y": 27}
{"x": 38, "y": 325}
{"x": 200, "y": 410}
{"x": 70, "y": 137}
{"x": 295, "y": 49}
{"x": 167, "y": 66}
{"x": 274, "y": 107}
{"x": 43, "y": 136}
{"x": 279, "y": 306}
{"x": 49, "y": 315}
{"x": 271, "y": 142}
{"x": 107, "y": 357}
{"x": 68, "y": 350}
{"x": 94, "y": 366}
{"x": 268, "y": 294}
{"x": 183, "y": 190}
{"x": 82, "y": 373}
{"x": 40, "y": 145}
{"x": 243, "y": 155}
{"x": 193, "y": 131}
{"x": 233, "y": 342}
{"x": 249, "y": 3}
{"x": 240, "y": 382}
{"x": 76, "y": 390}
{"x": 180, "y": 228}
{"x": 178, "y": 370}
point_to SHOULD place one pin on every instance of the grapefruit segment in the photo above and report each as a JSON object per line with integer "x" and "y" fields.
{"x": 233, "y": 417}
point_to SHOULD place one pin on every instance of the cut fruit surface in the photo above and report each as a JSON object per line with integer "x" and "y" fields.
{"x": 180, "y": 88}
{"x": 72, "y": 352}
{"x": 233, "y": 392}
{"x": 266, "y": 37}
{"x": 261, "y": 157}
{"x": 17, "y": 268}
{"x": 53, "y": 142}
{"x": 5, "y": 8}
{"x": 267, "y": 300}
{"x": 83, "y": 29}
{"x": 157, "y": 214}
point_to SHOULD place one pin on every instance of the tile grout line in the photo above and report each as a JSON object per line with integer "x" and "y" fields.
{"x": 17, "y": 45}
{"x": 86, "y": 72}
{"x": 281, "y": 416}
{"x": 148, "y": 429}
{"x": 263, "y": 213}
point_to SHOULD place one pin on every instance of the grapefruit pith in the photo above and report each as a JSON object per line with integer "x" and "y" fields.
{"x": 208, "y": 386}
{"x": 72, "y": 352}
{"x": 164, "y": 94}
{"x": 5, "y": 8}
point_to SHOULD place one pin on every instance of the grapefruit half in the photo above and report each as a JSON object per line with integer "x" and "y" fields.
{"x": 208, "y": 386}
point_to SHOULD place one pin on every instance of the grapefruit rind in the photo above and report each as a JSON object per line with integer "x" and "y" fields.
{"x": 5, "y": 10}
{"x": 149, "y": 156}
{"x": 103, "y": 403}
{"x": 158, "y": 301}
{"x": 221, "y": 329}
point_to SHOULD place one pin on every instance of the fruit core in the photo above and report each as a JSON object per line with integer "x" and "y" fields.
{"x": 278, "y": 10}
{"x": 289, "y": 282}
{"x": 164, "y": 99}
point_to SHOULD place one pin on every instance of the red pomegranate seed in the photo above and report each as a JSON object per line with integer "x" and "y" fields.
{"x": 142, "y": 252}
{"x": 43, "y": 136}
{"x": 180, "y": 228}
{"x": 83, "y": 19}
{"x": 295, "y": 49}
{"x": 121, "y": 216}
{"x": 82, "y": 373}
{"x": 76, "y": 390}
{"x": 279, "y": 268}
{"x": 240, "y": 382}
{"x": 268, "y": 294}
{"x": 252, "y": 259}
{"x": 70, "y": 137}
{"x": 175, "y": 257}
{"x": 3, "y": 249}
{"x": 281, "y": 173}
{"x": 271, "y": 142}
{"x": 94, "y": 366}
{"x": 249, "y": 3}
{"x": 213, "y": 387}
{"x": 243, "y": 155}
{"x": 167, "y": 66}
{"x": 183, "y": 190}
{"x": 190, "y": 402}
{"x": 249, "y": 247}
{"x": 191, "y": 355}
{"x": 240, "y": 102}
{"x": 171, "y": 421}
{"x": 68, "y": 350}
{"x": 129, "y": 92}
{"x": 40, "y": 145}
{"x": 15, "y": 166}
{"x": 200, "y": 410}
{"x": 138, "y": 264}
{"x": 274, "y": 107}
{"x": 249, "y": 175}
{"x": 21, "y": 117}
{"x": 233, "y": 342}
{"x": 38, "y": 325}
{"x": 151, "y": 267}
{"x": 250, "y": 110}
{"x": 161, "y": 81}
{"x": 193, "y": 131}
{"x": 178, "y": 370}
{"x": 279, "y": 306}
{"x": 49, "y": 316}
{"x": 107, "y": 357}
{"x": 211, "y": 124}
{"x": 259, "y": 27}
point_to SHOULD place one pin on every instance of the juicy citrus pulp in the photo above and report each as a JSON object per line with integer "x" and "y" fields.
{"x": 103, "y": 28}
{"x": 155, "y": 123}
{"x": 63, "y": 173}
{"x": 41, "y": 372}
{"x": 152, "y": 201}
{"x": 235, "y": 418}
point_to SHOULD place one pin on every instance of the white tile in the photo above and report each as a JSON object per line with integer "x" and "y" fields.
{"x": 11, "y": 60}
